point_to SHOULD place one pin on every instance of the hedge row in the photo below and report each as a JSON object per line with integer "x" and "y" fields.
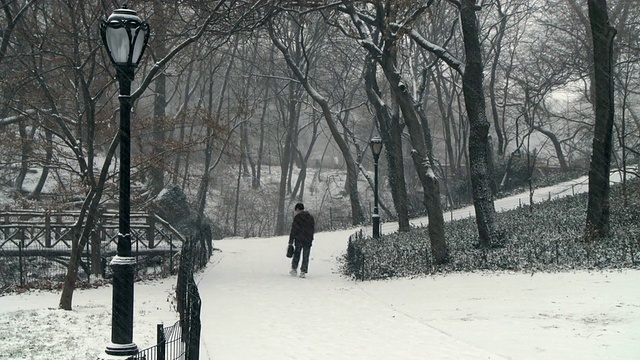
{"x": 545, "y": 237}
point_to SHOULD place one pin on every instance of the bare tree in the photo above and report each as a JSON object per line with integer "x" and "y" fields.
{"x": 379, "y": 37}
{"x": 504, "y": 35}
{"x": 479, "y": 125}
{"x": 290, "y": 110}
{"x": 597, "y": 225}
{"x": 155, "y": 178}
{"x": 628, "y": 124}
{"x": 13, "y": 12}
{"x": 301, "y": 72}
{"x": 90, "y": 205}
{"x": 391, "y": 133}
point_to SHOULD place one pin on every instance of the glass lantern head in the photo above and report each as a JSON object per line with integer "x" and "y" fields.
{"x": 125, "y": 36}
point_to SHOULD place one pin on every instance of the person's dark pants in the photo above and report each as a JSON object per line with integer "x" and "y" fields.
{"x": 305, "y": 250}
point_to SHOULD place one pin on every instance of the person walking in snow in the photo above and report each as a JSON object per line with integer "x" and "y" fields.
{"x": 301, "y": 237}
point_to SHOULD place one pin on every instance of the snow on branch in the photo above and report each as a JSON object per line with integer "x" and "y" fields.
{"x": 15, "y": 119}
{"x": 437, "y": 50}
{"x": 455, "y": 3}
{"x": 366, "y": 39}
{"x": 27, "y": 114}
{"x": 429, "y": 170}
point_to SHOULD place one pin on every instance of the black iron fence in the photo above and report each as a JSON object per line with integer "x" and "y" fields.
{"x": 170, "y": 345}
{"x": 188, "y": 296}
{"x": 182, "y": 340}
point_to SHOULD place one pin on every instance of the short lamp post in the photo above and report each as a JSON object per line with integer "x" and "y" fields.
{"x": 125, "y": 36}
{"x": 376, "y": 149}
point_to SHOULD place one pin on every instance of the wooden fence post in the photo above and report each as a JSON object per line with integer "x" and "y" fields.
{"x": 151, "y": 221}
{"x": 20, "y": 261}
{"x": 96, "y": 261}
{"x": 47, "y": 228}
{"x": 94, "y": 244}
{"x": 171, "y": 254}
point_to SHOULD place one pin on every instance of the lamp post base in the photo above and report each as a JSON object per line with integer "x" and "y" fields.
{"x": 375, "y": 220}
{"x": 120, "y": 352}
{"x": 122, "y": 345}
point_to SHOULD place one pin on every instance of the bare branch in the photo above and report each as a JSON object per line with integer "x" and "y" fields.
{"x": 11, "y": 24}
{"x": 160, "y": 64}
{"x": 367, "y": 42}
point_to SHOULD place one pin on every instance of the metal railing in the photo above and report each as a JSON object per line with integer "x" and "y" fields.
{"x": 170, "y": 345}
{"x": 35, "y": 246}
{"x": 182, "y": 340}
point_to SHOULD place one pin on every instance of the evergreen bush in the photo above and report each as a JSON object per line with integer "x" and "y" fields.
{"x": 547, "y": 236}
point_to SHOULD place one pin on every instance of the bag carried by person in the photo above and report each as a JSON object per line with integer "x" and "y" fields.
{"x": 290, "y": 251}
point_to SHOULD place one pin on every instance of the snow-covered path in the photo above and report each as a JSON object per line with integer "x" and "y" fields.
{"x": 252, "y": 308}
{"x": 567, "y": 188}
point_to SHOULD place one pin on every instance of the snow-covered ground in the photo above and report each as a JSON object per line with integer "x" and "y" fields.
{"x": 252, "y": 309}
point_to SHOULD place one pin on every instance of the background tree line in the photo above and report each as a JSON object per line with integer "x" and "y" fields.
{"x": 466, "y": 95}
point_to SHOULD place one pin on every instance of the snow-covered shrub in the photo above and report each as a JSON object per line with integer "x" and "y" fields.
{"x": 388, "y": 256}
{"x": 545, "y": 237}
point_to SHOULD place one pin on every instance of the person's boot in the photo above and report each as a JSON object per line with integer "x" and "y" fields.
{"x": 293, "y": 272}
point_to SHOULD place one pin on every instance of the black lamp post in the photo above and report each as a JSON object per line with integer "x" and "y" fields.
{"x": 125, "y": 36}
{"x": 376, "y": 149}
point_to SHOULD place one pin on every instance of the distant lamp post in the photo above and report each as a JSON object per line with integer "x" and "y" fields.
{"x": 376, "y": 149}
{"x": 125, "y": 36}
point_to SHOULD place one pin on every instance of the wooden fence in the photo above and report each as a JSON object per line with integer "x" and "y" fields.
{"x": 30, "y": 236}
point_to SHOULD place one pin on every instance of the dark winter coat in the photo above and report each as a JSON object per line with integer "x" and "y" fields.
{"x": 302, "y": 229}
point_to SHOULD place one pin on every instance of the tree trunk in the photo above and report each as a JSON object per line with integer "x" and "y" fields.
{"x": 446, "y": 113}
{"x": 384, "y": 50}
{"x": 45, "y": 167}
{"x": 557, "y": 147}
{"x": 285, "y": 160}
{"x": 188, "y": 93}
{"x": 81, "y": 235}
{"x": 237, "y": 202}
{"x": 298, "y": 191}
{"x": 256, "y": 181}
{"x": 26, "y": 140}
{"x": 479, "y": 126}
{"x": 597, "y": 224}
{"x": 492, "y": 82}
{"x": 420, "y": 155}
{"x": 391, "y": 134}
{"x": 208, "y": 151}
{"x": 155, "y": 180}
{"x": 248, "y": 166}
